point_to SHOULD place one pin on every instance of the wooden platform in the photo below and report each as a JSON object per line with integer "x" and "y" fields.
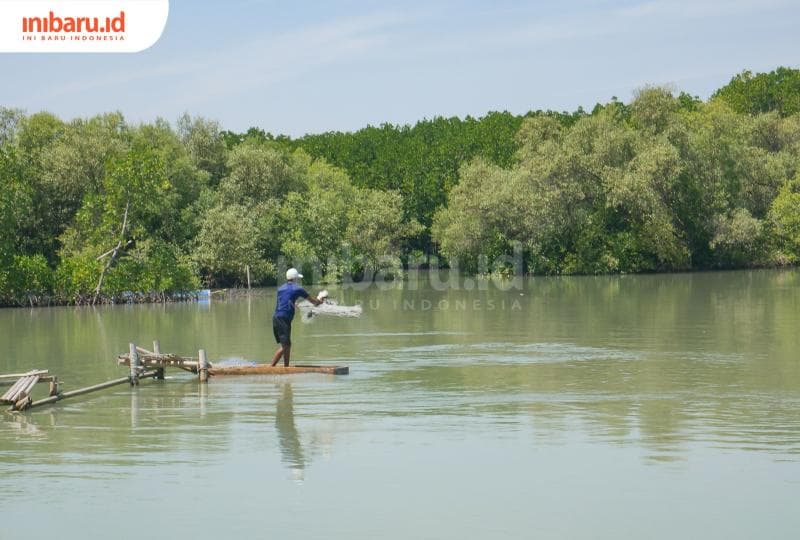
{"x": 142, "y": 364}
{"x": 150, "y": 360}
{"x": 266, "y": 369}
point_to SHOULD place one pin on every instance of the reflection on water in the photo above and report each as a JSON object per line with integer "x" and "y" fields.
{"x": 291, "y": 448}
{"x": 665, "y": 384}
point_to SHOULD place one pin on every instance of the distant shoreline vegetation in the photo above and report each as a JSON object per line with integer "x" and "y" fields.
{"x": 96, "y": 207}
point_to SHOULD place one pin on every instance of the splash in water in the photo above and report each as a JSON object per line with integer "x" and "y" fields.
{"x": 233, "y": 362}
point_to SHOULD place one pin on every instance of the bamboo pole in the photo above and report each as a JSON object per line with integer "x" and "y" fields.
{"x": 266, "y": 369}
{"x": 45, "y": 378}
{"x": 203, "y": 366}
{"x": 188, "y": 363}
{"x": 144, "y": 351}
{"x": 28, "y": 387}
{"x": 20, "y": 390}
{"x": 21, "y": 396}
{"x": 190, "y": 368}
{"x": 88, "y": 389}
{"x": 247, "y": 267}
{"x": 157, "y": 351}
{"x": 18, "y": 375}
{"x": 101, "y": 386}
{"x": 14, "y": 390}
{"x": 124, "y": 359}
{"x": 135, "y": 364}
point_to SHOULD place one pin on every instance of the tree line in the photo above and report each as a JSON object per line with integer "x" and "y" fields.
{"x": 98, "y": 209}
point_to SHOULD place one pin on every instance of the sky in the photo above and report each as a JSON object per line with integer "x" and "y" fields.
{"x": 310, "y": 67}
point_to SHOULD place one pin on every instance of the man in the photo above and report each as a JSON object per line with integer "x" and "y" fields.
{"x": 288, "y": 294}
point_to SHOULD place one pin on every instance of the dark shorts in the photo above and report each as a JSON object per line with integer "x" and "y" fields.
{"x": 282, "y": 328}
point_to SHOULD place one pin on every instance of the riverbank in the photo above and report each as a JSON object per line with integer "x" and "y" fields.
{"x": 438, "y": 279}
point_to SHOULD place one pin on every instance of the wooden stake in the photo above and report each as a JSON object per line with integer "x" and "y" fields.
{"x": 22, "y": 403}
{"x": 203, "y": 366}
{"x": 134, "y": 356}
{"x": 247, "y": 267}
{"x": 159, "y": 370}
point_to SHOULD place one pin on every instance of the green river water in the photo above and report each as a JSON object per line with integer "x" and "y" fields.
{"x": 657, "y": 406}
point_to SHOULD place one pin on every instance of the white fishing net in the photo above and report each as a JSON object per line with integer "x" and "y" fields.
{"x": 233, "y": 361}
{"x": 328, "y": 307}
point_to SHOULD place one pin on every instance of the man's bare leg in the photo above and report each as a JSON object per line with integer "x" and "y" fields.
{"x": 277, "y": 356}
{"x": 287, "y": 351}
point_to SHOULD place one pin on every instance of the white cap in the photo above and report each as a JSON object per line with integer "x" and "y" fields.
{"x": 292, "y": 274}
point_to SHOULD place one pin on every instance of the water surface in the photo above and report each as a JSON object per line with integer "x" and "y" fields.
{"x": 660, "y": 406}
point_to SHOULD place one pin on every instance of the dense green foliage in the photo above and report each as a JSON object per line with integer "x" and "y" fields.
{"x": 664, "y": 182}
{"x": 419, "y": 162}
{"x": 777, "y": 91}
{"x": 148, "y": 211}
{"x": 656, "y": 187}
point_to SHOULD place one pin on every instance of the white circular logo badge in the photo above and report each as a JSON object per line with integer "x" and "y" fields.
{"x": 70, "y": 26}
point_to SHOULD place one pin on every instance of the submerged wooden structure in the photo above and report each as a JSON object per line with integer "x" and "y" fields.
{"x": 142, "y": 364}
{"x": 22, "y": 384}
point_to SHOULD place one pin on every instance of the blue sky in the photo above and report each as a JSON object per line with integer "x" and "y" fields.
{"x": 308, "y": 67}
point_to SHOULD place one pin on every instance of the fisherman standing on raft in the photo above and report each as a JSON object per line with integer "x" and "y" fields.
{"x": 288, "y": 294}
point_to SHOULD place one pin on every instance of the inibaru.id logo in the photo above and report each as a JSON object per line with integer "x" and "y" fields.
{"x": 53, "y": 23}
{"x": 81, "y": 25}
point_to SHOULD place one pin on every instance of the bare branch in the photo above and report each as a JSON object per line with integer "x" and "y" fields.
{"x": 114, "y": 253}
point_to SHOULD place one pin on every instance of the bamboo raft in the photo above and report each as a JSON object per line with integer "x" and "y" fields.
{"x": 19, "y": 395}
{"x": 142, "y": 364}
{"x": 266, "y": 369}
{"x": 201, "y": 366}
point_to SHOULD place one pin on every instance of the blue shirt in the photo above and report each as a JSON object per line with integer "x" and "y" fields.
{"x": 288, "y": 293}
